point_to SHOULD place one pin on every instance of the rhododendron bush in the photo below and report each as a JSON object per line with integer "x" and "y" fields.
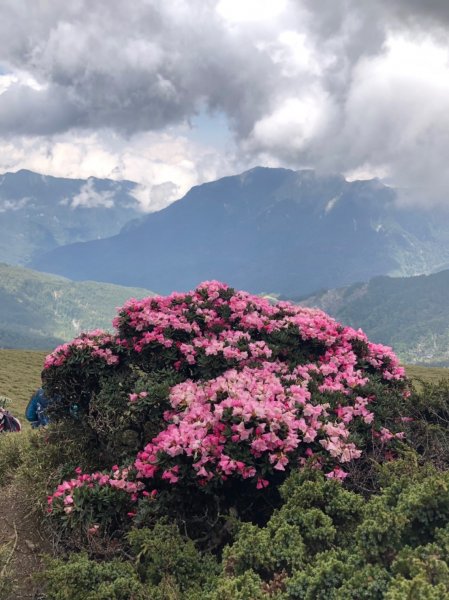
{"x": 220, "y": 391}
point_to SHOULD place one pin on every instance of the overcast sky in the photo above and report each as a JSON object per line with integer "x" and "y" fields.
{"x": 171, "y": 93}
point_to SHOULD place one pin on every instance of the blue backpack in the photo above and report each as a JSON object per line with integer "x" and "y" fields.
{"x": 36, "y": 410}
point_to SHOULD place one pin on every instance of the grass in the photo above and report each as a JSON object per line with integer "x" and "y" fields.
{"x": 20, "y": 375}
{"x": 428, "y": 374}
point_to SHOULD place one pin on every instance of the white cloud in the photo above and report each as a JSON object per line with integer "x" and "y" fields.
{"x": 165, "y": 166}
{"x": 88, "y": 197}
{"x": 13, "y": 205}
{"x": 293, "y": 124}
{"x": 395, "y": 118}
{"x": 250, "y": 10}
{"x": 155, "y": 197}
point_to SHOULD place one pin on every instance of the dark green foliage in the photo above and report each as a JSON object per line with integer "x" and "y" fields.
{"x": 162, "y": 566}
{"x": 84, "y": 579}
{"x": 397, "y": 541}
{"x": 321, "y": 580}
{"x": 317, "y": 514}
{"x": 163, "y": 555}
{"x": 324, "y": 542}
{"x": 120, "y": 426}
{"x": 247, "y": 586}
{"x": 95, "y": 400}
{"x": 429, "y": 429}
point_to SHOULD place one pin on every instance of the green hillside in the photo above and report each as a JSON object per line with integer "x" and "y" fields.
{"x": 411, "y": 314}
{"x": 39, "y": 311}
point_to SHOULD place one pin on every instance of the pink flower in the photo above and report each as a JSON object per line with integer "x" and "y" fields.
{"x": 93, "y": 530}
{"x": 337, "y": 473}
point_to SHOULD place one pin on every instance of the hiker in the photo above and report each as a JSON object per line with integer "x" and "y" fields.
{"x": 36, "y": 410}
{"x": 8, "y": 423}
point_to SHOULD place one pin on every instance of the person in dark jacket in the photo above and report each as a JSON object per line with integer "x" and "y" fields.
{"x": 8, "y": 423}
{"x": 36, "y": 410}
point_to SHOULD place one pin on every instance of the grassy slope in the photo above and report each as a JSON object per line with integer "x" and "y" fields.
{"x": 20, "y": 375}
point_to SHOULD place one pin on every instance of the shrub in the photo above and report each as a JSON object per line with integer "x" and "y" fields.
{"x": 162, "y": 565}
{"x": 82, "y": 579}
{"x": 165, "y": 557}
{"x": 394, "y": 545}
{"x": 92, "y": 507}
{"x": 427, "y": 423}
{"x": 221, "y": 394}
{"x": 324, "y": 541}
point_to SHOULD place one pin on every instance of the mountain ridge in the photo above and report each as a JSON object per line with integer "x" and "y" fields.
{"x": 265, "y": 230}
{"x": 411, "y": 314}
{"x": 40, "y": 212}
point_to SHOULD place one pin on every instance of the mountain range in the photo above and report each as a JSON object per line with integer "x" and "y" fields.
{"x": 39, "y": 213}
{"x": 40, "y": 311}
{"x": 269, "y": 231}
{"x": 266, "y": 230}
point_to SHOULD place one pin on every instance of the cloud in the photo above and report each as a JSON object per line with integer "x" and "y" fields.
{"x": 165, "y": 165}
{"x": 88, "y": 197}
{"x": 394, "y": 120}
{"x": 13, "y": 205}
{"x": 155, "y": 197}
{"x": 102, "y": 88}
{"x": 420, "y": 14}
{"x": 103, "y": 64}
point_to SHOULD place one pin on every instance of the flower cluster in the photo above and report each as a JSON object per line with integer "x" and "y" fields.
{"x": 95, "y": 343}
{"x": 264, "y": 388}
{"x": 264, "y": 415}
{"x": 215, "y": 320}
{"x": 64, "y": 497}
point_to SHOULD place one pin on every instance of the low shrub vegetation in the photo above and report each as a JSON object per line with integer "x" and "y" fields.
{"x": 215, "y": 446}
